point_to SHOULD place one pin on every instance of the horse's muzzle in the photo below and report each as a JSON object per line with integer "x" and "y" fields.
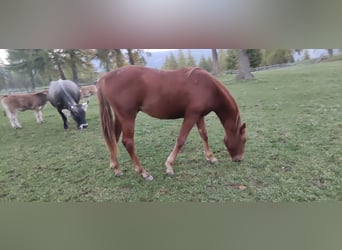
{"x": 237, "y": 158}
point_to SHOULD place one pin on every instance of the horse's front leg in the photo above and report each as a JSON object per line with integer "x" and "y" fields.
{"x": 128, "y": 142}
{"x": 187, "y": 125}
{"x": 204, "y": 135}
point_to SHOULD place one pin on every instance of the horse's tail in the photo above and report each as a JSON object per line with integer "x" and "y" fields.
{"x": 107, "y": 121}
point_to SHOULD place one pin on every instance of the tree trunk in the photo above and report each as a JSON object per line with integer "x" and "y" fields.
{"x": 216, "y": 69}
{"x": 130, "y": 57}
{"x": 107, "y": 66}
{"x": 33, "y": 84}
{"x": 73, "y": 66}
{"x": 119, "y": 58}
{"x": 61, "y": 71}
{"x": 56, "y": 61}
{"x": 244, "y": 67}
{"x": 74, "y": 73}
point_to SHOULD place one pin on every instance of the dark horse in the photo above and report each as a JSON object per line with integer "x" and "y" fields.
{"x": 189, "y": 93}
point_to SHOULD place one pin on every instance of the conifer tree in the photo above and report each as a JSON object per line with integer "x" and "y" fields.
{"x": 205, "y": 64}
{"x": 190, "y": 62}
{"x": 181, "y": 60}
{"x": 166, "y": 64}
{"x": 231, "y": 60}
{"x": 222, "y": 58}
{"x": 173, "y": 62}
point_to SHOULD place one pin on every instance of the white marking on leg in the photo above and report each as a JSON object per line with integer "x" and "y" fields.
{"x": 169, "y": 163}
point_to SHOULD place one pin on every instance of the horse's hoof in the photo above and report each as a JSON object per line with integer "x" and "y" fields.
{"x": 212, "y": 161}
{"x": 170, "y": 174}
{"x": 149, "y": 178}
{"x": 118, "y": 174}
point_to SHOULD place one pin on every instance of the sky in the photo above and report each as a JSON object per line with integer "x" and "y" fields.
{"x": 157, "y": 50}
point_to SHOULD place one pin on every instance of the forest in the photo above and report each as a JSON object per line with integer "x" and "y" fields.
{"x": 26, "y": 69}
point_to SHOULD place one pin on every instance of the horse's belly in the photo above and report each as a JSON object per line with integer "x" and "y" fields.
{"x": 163, "y": 112}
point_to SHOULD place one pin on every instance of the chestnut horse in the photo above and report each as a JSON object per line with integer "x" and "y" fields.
{"x": 189, "y": 93}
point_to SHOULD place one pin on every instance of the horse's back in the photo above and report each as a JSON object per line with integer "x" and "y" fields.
{"x": 160, "y": 93}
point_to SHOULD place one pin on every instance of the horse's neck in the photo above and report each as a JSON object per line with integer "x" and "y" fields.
{"x": 228, "y": 113}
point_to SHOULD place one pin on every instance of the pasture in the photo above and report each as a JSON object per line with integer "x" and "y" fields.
{"x": 293, "y": 149}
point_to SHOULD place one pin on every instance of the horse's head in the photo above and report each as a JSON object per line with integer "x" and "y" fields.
{"x": 235, "y": 143}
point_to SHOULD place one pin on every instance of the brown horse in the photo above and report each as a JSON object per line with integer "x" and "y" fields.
{"x": 189, "y": 93}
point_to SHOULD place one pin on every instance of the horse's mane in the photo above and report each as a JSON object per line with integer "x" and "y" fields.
{"x": 189, "y": 70}
{"x": 227, "y": 95}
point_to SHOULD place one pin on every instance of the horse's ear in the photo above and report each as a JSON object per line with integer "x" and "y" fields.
{"x": 242, "y": 128}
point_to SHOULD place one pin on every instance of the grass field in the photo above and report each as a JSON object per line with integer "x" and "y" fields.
{"x": 293, "y": 150}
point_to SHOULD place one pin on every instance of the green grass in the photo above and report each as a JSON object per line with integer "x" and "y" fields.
{"x": 293, "y": 151}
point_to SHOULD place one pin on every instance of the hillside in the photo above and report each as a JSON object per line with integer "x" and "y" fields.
{"x": 157, "y": 59}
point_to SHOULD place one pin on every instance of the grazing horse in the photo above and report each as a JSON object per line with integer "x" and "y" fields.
{"x": 189, "y": 93}
{"x": 22, "y": 102}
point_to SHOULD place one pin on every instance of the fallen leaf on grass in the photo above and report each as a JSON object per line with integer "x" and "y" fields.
{"x": 237, "y": 186}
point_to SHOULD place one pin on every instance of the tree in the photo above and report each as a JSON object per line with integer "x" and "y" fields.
{"x": 166, "y": 64}
{"x": 3, "y": 76}
{"x": 205, "y": 64}
{"x": 73, "y": 60}
{"x": 215, "y": 69}
{"x": 232, "y": 59}
{"x": 58, "y": 60}
{"x": 190, "y": 61}
{"x": 78, "y": 59}
{"x": 130, "y": 57}
{"x": 119, "y": 58}
{"x": 244, "y": 66}
{"x": 181, "y": 60}
{"x": 277, "y": 56}
{"x": 170, "y": 62}
{"x": 135, "y": 57}
{"x": 106, "y": 58}
{"x": 222, "y": 58}
{"x": 255, "y": 57}
{"x": 27, "y": 61}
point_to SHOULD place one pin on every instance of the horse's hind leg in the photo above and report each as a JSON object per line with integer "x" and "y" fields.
{"x": 118, "y": 128}
{"x": 187, "y": 125}
{"x": 128, "y": 142}
{"x": 204, "y": 135}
